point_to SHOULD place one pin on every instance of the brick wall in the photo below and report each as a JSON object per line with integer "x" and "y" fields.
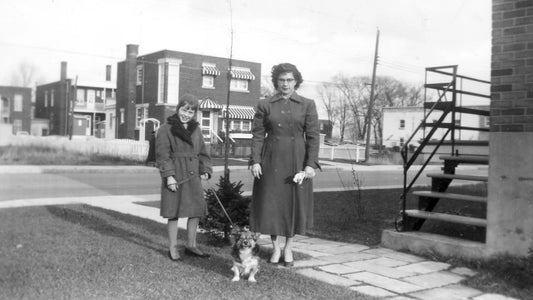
{"x": 512, "y": 66}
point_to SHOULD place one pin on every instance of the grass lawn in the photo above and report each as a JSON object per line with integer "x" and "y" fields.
{"x": 81, "y": 252}
{"x": 336, "y": 219}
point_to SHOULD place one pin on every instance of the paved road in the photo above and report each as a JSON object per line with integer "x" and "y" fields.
{"x": 117, "y": 182}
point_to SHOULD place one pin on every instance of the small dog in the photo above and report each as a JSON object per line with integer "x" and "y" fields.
{"x": 244, "y": 252}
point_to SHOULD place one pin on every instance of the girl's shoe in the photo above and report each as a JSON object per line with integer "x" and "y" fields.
{"x": 172, "y": 258}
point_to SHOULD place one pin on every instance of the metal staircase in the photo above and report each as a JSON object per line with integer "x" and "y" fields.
{"x": 441, "y": 128}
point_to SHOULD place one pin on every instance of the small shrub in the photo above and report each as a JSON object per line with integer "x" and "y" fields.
{"x": 238, "y": 208}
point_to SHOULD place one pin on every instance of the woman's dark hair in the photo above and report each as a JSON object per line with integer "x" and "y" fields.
{"x": 277, "y": 70}
{"x": 188, "y": 99}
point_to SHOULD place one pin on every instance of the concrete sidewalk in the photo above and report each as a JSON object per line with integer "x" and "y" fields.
{"x": 378, "y": 272}
{"x": 326, "y": 166}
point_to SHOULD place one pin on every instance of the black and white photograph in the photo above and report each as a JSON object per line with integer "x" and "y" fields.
{"x": 244, "y": 149}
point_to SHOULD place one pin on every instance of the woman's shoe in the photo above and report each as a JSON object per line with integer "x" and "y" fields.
{"x": 274, "y": 259}
{"x": 288, "y": 264}
{"x": 288, "y": 260}
{"x": 197, "y": 254}
{"x": 172, "y": 258}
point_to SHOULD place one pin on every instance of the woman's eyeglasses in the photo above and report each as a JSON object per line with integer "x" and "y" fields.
{"x": 288, "y": 80}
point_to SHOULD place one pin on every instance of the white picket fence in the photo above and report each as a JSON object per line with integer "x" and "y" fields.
{"x": 128, "y": 149}
{"x": 349, "y": 152}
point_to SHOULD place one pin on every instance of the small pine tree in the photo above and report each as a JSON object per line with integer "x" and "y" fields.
{"x": 237, "y": 207}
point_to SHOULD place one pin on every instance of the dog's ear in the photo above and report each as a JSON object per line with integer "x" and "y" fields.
{"x": 256, "y": 235}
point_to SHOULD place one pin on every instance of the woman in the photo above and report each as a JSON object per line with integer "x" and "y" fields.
{"x": 284, "y": 158}
{"x": 182, "y": 160}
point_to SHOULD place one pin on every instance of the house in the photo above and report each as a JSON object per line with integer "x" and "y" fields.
{"x": 16, "y": 109}
{"x": 399, "y": 123}
{"x": 149, "y": 87}
{"x": 75, "y": 106}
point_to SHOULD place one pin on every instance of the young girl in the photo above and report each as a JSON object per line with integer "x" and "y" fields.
{"x": 183, "y": 161}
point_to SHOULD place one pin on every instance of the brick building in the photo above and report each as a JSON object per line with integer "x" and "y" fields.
{"x": 510, "y": 205}
{"x": 74, "y": 105}
{"x": 16, "y": 108}
{"x": 149, "y": 87}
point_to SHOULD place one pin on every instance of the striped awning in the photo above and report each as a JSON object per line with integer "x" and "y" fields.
{"x": 209, "y": 104}
{"x": 242, "y": 74}
{"x": 240, "y": 112}
{"x": 210, "y": 70}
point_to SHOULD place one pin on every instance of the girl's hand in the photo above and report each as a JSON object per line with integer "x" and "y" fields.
{"x": 172, "y": 185}
{"x": 204, "y": 176}
{"x": 256, "y": 170}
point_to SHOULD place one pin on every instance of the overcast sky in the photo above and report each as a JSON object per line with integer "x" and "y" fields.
{"x": 323, "y": 38}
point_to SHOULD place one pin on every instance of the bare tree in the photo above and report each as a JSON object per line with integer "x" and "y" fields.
{"x": 352, "y": 90}
{"x": 25, "y": 74}
{"x": 329, "y": 95}
{"x": 267, "y": 87}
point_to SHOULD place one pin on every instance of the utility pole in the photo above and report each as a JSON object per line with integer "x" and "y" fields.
{"x": 226, "y": 116}
{"x": 371, "y": 102}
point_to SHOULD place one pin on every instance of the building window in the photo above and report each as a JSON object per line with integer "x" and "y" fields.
{"x": 402, "y": 124}
{"x": 52, "y": 98}
{"x": 80, "y": 96}
{"x": 17, "y": 105}
{"x": 235, "y": 125}
{"x": 209, "y": 72}
{"x": 140, "y": 75}
{"x": 91, "y": 98}
{"x": 45, "y": 98}
{"x": 239, "y": 85}
{"x": 246, "y": 125}
{"x": 17, "y": 125}
{"x": 402, "y": 141}
{"x": 122, "y": 116}
{"x": 141, "y": 112}
{"x": 168, "y": 81}
{"x": 457, "y": 122}
{"x": 208, "y": 81}
{"x": 240, "y": 78}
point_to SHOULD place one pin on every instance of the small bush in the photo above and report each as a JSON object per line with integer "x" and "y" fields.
{"x": 238, "y": 208}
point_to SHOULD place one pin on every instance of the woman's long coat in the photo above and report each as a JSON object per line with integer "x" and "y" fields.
{"x": 186, "y": 162}
{"x": 285, "y": 141}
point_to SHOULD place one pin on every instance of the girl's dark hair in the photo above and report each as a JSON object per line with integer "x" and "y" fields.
{"x": 277, "y": 70}
{"x": 188, "y": 99}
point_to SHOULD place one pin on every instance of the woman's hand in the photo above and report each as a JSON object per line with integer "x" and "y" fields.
{"x": 204, "y": 176}
{"x": 256, "y": 170}
{"x": 309, "y": 172}
{"x": 172, "y": 185}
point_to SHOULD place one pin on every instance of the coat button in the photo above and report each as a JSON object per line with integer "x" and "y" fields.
{"x": 191, "y": 172}
{"x": 279, "y": 124}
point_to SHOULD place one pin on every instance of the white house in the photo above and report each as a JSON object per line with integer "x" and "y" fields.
{"x": 399, "y": 123}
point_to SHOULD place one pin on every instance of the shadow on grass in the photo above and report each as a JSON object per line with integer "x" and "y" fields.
{"x": 217, "y": 263}
{"x": 101, "y": 226}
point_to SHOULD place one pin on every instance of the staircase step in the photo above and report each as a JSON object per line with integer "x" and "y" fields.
{"x": 457, "y": 127}
{"x": 459, "y": 177}
{"x": 446, "y": 217}
{"x": 463, "y": 197}
{"x": 450, "y": 89}
{"x": 467, "y": 159}
{"x": 459, "y": 109}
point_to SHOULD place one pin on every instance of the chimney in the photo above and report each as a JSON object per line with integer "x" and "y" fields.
{"x": 132, "y": 51}
{"x": 108, "y": 73}
{"x": 63, "y": 70}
